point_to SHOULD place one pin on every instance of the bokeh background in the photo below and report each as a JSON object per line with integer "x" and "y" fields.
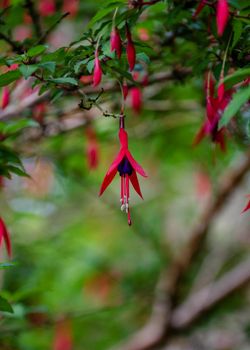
{"x": 81, "y": 272}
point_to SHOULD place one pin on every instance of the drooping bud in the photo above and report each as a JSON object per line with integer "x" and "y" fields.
{"x": 5, "y": 97}
{"x": 136, "y": 99}
{"x": 222, "y": 14}
{"x": 199, "y": 8}
{"x": 131, "y": 55}
{"x": 4, "y": 235}
{"x": 97, "y": 76}
{"x": 115, "y": 42}
{"x": 47, "y": 7}
{"x": 125, "y": 89}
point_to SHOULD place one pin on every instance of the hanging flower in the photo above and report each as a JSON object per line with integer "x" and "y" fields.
{"x": 92, "y": 148}
{"x": 115, "y": 42}
{"x": 127, "y": 167}
{"x": 97, "y": 76}
{"x": 222, "y": 14}
{"x": 215, "y": 107}
{"x": 131, "y": 55}
{"x": 4, "y": 235}
{"x": 5, "y": 97}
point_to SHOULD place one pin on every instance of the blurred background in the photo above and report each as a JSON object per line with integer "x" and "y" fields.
{"x": 84, "y": 278}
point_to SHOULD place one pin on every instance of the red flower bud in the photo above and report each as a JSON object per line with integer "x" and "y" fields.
{"x": 115, "y": 42}
{"x": 5, "y": 97}
{"x": 97, "y": 76}
{"x": 125, "y": 89}
{"x": 136, "y": 99}
{"x": 131, "y": 55}
{"x": 199, "y": 8}
{"x": 247, "y": 207}
{"x": 222, "y": 15}
{"x": 4, "y": 235}
{"x": 47, "y": 7}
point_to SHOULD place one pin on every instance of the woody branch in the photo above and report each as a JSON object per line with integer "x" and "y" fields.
{"x": 165, "y": 314}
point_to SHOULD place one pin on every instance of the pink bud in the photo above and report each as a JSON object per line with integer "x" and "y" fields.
{"x": 136, "y": 99}
{"x": 131, "y": 55}
{"x": 115, "y": 42}
{"x": 47, "y": 7}
{"x": 4, "y": 235}
{"x": 221, "y": 91}
{"x": 199, "y": 8}
{"x": 97, "y": 76}
{"x": 125, "y": 89}
{"x": 222, "y": 15}
{"x": 5, "y": 97}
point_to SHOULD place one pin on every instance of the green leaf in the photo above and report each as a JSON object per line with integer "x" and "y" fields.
{"x": 65, "y": 80}
{"x": 37, "y": 50}
{"x": 236, "y": 77}
{"x": 239, "y": 99}
{"x": 9, "y": 77}
{"x": 237, "y": 29}
{"x": 50, "y": 66}
{"x": 104, "y": 11}
{"x": 5, "y": 306}
{"x": 28, "y": 70}
{"x": 15, "y": 170}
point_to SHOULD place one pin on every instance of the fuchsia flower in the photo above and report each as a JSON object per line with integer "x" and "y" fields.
{"x": 215, "y": 106}
{"x": 222, "y": 14}
{"x": 97, "y": 76}
{"x": 4, "y": 235}
{"x": 115, "y": 42}
{"x": 247, "y": 207}
{"x": 131, "y": 55}
{"x": 127, "y": 167}
{"x": 5, "y": 97}
{"x": 46, "y": 7}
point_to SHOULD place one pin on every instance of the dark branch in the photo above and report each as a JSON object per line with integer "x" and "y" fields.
{"x": 14, "y": 45}
{"x": 35, "y": 17}
{"x": 54, "y": 25}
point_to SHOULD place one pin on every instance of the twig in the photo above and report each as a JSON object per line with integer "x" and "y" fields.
{"x": 14, "y": 45}
{"x": 158, "y": 329}
{"x": 13, "y": 111}
{"x": 54, "y": 25}
{"x": 202, "y": 301}
{"x": 35, "y": 17}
